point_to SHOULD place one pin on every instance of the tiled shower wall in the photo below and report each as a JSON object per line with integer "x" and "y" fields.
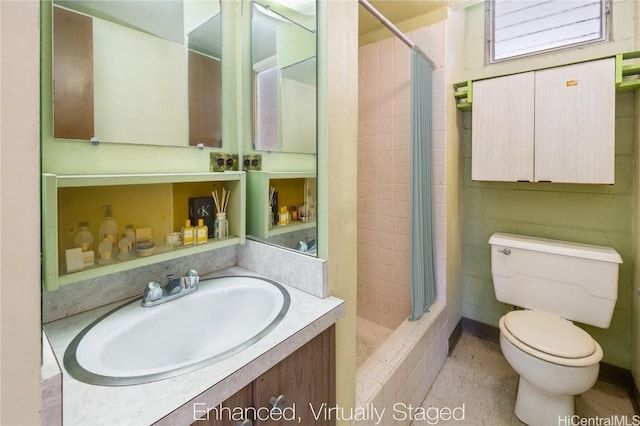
{"x": 383, "y": 173}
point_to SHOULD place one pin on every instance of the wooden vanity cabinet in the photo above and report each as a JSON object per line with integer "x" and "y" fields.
{"x": 305, "y": 378}
{"x": 241, "y": 399}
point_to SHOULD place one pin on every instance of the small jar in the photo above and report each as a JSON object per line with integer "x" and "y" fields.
{"x": 131, "y": 235}
{"x": 221, "y": 226}
{"x": 124, "y": 247}
{"x": 105, "y": 250}
{"x": 84, "y": 237}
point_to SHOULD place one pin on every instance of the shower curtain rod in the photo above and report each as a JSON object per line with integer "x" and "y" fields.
{"x": 384, "y": 21}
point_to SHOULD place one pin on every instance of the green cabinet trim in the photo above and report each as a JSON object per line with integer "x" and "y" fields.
{"x": 463, "y": 92}
{"x": 627, "y": 76}
{"x": 52, "y": 277}
{"x": 627, "y": 79}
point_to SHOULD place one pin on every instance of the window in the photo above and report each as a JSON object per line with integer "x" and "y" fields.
{"x": 525, "y": 27}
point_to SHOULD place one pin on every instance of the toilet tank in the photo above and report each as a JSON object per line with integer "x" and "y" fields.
{"x": 579, "y": 282}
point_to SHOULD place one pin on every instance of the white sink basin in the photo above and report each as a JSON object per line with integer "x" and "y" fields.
{"x": 133, "y": 345}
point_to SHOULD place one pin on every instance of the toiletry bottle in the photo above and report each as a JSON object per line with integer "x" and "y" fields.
{"x": 221, "y": 226}
{"x": 109, "y": 227}
{"x": 104, "y": 250}
{"x": 311, "y": 205}
{"x": 124, "y": 248}
{"x": 84, "y": 237}
{"x": 188, "y": 234}
{"x": 131, "y": 236}
{"x": 283, "y": 215}
{"x": 202, "y": 232}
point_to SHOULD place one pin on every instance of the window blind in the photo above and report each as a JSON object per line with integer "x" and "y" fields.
{"x": 521, "y": 27}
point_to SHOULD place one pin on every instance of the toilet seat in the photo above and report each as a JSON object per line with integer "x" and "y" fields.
{"x": 550, "y": 338}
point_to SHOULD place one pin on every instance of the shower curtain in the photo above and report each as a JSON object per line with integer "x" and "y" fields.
{"x": 423, "y": 279}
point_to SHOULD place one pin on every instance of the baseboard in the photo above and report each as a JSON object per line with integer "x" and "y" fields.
{"x": 481, "y": 329}
{"x": 608, "y": 373}
{"x": 455, "y": 336}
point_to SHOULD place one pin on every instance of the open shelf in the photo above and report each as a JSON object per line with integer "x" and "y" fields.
{"x": 290, "y": 186}
{"x": 157, "y": 201}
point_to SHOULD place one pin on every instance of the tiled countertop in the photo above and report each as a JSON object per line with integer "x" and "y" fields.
{"x": 171, "y": 401}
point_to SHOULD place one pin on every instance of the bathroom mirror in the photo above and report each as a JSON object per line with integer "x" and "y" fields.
{"x": 205, "y": 84}
{"x": 121, "y": 71}
{"x": 284, "y": 99}
{"x": 284, "y": 70}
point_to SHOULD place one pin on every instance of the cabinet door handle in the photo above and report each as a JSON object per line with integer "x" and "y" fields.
{"x": 505, "y": 251}
{"x": 278, "y": 402}
{"x": 243, "y": 423}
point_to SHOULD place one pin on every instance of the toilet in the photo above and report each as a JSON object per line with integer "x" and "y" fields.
{"x": 555, "y": 283}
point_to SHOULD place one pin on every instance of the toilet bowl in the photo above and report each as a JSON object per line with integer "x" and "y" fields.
{"x": 555, "y": 282}
{"x": 555, "y": 360}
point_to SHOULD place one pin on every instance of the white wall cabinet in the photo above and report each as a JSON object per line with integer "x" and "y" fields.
{"x": 553, "y": 125}
{"x": 503, "y": 128}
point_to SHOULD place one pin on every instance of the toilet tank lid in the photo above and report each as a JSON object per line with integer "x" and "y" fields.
{"x": 566, "y": 248}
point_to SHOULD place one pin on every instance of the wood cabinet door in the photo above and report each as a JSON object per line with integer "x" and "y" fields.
{"x": 227, "y": 414}
{"x": 306, "y": 379}
{"x": 503, "y": 128}
{"x": 205, "y": 101}
{"x": 72, "y": 75}
{"x": 575, "y": 123}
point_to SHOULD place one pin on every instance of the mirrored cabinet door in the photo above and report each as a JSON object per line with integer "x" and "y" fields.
{"x": 137, "y": 72}
{"x": 281, "y": 197}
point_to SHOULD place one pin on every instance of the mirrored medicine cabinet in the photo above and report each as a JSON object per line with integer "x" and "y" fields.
{"x": 284, "y": 77}
{"x": 137, "y": 72}
{"x": 178, "y": 95}
{"x": 284, "y": 99}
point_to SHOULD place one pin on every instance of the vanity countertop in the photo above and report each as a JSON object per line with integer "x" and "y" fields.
{"x": 171, "y": 401}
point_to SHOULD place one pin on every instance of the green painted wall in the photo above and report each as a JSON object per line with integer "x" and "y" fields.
{"x": 592, "y": 214}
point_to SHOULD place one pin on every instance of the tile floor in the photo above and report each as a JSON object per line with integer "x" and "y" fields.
{"x": 477, "y": 375}
{"x": 369, "y": 336}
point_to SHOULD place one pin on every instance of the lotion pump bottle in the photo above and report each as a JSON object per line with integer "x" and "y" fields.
{"x": 109, "y": 227}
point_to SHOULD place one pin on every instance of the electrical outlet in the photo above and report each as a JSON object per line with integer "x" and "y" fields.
{"x": 252, "y": 162}
{"x": 220, "y": 162}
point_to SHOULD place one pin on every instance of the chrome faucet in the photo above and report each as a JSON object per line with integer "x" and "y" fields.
{"x": 176, "y": 287}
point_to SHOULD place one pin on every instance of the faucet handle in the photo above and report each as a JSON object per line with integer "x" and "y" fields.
{"x": 152, "y": 292}
{"x": 192, "y": 277}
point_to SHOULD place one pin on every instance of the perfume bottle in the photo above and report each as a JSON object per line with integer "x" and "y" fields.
{"x": 202, "y": 232}
{"x": 188, "y": 234}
